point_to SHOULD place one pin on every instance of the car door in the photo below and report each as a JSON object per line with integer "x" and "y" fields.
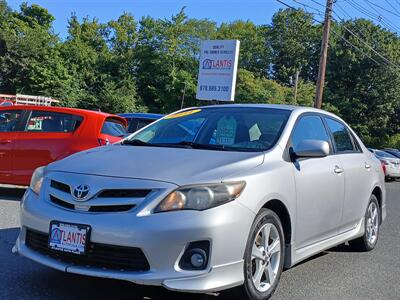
{"x": 319, "y": 186}
{"x": 357, "y": 169}
{"x": 9, "y": 123}
{"x": 48, "y": 136}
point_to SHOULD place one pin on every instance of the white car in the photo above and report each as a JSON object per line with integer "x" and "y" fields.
{"x": 207, "y": 199}
{"x": 391, "y": 163}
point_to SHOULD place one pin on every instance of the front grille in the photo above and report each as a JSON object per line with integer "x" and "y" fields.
{"x": 62, "y": 203}
{"x": 60, "y": 186}
{"x": 94, "y": 208}
{"x": 123, "y": 194}
{"x": 98, "y": 255}
{"x": 111, "y": 208}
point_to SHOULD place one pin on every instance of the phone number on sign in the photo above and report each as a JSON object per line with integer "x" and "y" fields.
{"x": 214, "y": 88}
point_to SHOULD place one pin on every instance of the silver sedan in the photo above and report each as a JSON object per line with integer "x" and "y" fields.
{"x": 207, "y": 199}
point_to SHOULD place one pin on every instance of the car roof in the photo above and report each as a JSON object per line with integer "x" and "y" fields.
{"x": 293, "y": 108}
{"x": 141, "y": 115}
{"x": 57, "y": 109}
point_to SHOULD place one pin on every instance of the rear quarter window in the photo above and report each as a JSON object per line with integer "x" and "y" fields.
{"x": 113, "y": 127}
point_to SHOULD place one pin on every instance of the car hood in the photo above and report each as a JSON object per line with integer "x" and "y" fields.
{"x": 175, "y": 165}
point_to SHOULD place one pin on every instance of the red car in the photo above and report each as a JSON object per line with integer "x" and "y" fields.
{"x": 33, "y": 136}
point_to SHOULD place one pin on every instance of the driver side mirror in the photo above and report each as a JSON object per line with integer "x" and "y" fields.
{"x": 312, "y": 148}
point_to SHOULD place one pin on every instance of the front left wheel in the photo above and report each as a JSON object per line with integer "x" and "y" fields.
{"x": 264, "y": 256}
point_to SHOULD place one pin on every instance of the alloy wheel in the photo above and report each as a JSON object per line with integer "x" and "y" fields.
{"x": 265, "y": 257}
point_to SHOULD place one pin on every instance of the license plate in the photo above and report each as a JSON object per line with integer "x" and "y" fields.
{"x": 67, "y": 237}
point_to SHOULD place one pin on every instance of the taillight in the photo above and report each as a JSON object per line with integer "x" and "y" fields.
{"x": 103, "y": 142}
{"x": 383, "y": 167}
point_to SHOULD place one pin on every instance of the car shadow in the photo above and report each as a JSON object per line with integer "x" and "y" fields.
{"x": 11, "y": 194}
{"x": 343, "y": 248}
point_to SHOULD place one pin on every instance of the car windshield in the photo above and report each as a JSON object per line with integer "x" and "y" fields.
{"x": 216, "y": 128}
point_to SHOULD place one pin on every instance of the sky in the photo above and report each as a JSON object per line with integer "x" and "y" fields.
{"x": 383, "y": 12}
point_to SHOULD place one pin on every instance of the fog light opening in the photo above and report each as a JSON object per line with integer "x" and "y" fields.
{"x": 198, "y": 258}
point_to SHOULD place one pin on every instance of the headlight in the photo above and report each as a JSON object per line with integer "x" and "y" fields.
{"x": 37, "y": 180}
{"x": 201, "y": 197}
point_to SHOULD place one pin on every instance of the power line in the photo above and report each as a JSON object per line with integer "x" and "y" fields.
{"x": 377, "y": 5}
{"x": 392, "y": 6}
{"x": 382, "y": 19}
{"x": 389, "y": 62}
{"x": 371, "y": 48}
{"x": 372, "y": 15}
{"x": 355, "y": 47}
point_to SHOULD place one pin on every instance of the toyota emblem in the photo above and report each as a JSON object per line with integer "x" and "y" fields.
{"x": 81, "y": 192}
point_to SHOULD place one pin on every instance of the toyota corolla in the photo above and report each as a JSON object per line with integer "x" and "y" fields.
{"x": 207, "y": 199}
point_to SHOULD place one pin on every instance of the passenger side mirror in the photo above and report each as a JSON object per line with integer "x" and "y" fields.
{"x": 312, "y": 148}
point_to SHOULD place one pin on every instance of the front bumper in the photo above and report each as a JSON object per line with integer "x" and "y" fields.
{"x": 162, "y": 237}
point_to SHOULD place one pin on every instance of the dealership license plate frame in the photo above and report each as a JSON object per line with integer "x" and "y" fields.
{"x": 77, "y": 227}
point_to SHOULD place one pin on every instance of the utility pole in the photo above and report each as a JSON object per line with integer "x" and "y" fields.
{"x": 296, "y": 83}
{"x": 183, "y": 95}
{"x": 324, "y": 55}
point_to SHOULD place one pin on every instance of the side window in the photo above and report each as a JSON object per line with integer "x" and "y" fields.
{"x": 309, "y": 128}
{"x": 114, "y": 128}
{"x": 9, "y": 120}
{"x": 342, "y": 139}
{"x": 133, "y": 124}
{"x": 47, "y": 121}
{"x": 143, "y": 122}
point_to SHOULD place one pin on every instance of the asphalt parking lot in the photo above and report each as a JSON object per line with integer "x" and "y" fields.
{"x": 337, "y": 273}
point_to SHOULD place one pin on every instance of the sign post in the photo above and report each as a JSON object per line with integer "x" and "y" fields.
{"x": 218, "y": 70}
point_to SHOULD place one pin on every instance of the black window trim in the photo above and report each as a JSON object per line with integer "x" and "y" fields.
{"x": 356, "y": 146}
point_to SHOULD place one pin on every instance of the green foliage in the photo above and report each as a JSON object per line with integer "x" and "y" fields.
{"x": 150, "y": 64}
{"x": 394, "y": 141}
{"x": 295, "y": 45}
{"x": 367, "y": 94}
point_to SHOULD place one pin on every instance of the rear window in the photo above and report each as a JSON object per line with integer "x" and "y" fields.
{"x": 384, "y": 154}
{"x": 47, "y": 121}
{"x": 113, "y": 127}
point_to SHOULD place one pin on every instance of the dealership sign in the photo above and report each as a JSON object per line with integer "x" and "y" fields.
{"x": 217, "y": 70}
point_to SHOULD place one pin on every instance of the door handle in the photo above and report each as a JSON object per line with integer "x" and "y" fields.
{"x": 367, "y": 166}
{"x": 338, "y": 170}
{"x": 5, "y": 141}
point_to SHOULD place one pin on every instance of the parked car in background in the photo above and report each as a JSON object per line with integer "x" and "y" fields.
{"x": 137, "y": 121}
{"x": 34, "y": 136}
{"x": 207, "y": 199}
{"x": 391, "y": 163}
{"x": 394, "y": 152}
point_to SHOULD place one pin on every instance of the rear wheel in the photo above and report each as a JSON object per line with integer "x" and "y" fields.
{"x": 371, "y": 222}
{"x": 264, "y": 255}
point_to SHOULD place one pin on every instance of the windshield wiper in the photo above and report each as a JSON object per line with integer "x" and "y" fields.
{"x": 182, "y": 144}
{"x": 135, "y": 142}
{"x": 200, "y": 146}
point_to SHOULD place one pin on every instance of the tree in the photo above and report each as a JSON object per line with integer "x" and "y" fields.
{"x": 294, "y": 41}
{"x": 254, "y": 55}
{"x": 364, "y": 88}
{"x": 30, "y": 60}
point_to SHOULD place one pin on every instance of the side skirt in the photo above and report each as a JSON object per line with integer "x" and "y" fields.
{"x": 298, "y": 255}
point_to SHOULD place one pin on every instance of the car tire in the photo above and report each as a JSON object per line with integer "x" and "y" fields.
{"x": 372, "y": 221}
{"x": 259, "y": 263}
